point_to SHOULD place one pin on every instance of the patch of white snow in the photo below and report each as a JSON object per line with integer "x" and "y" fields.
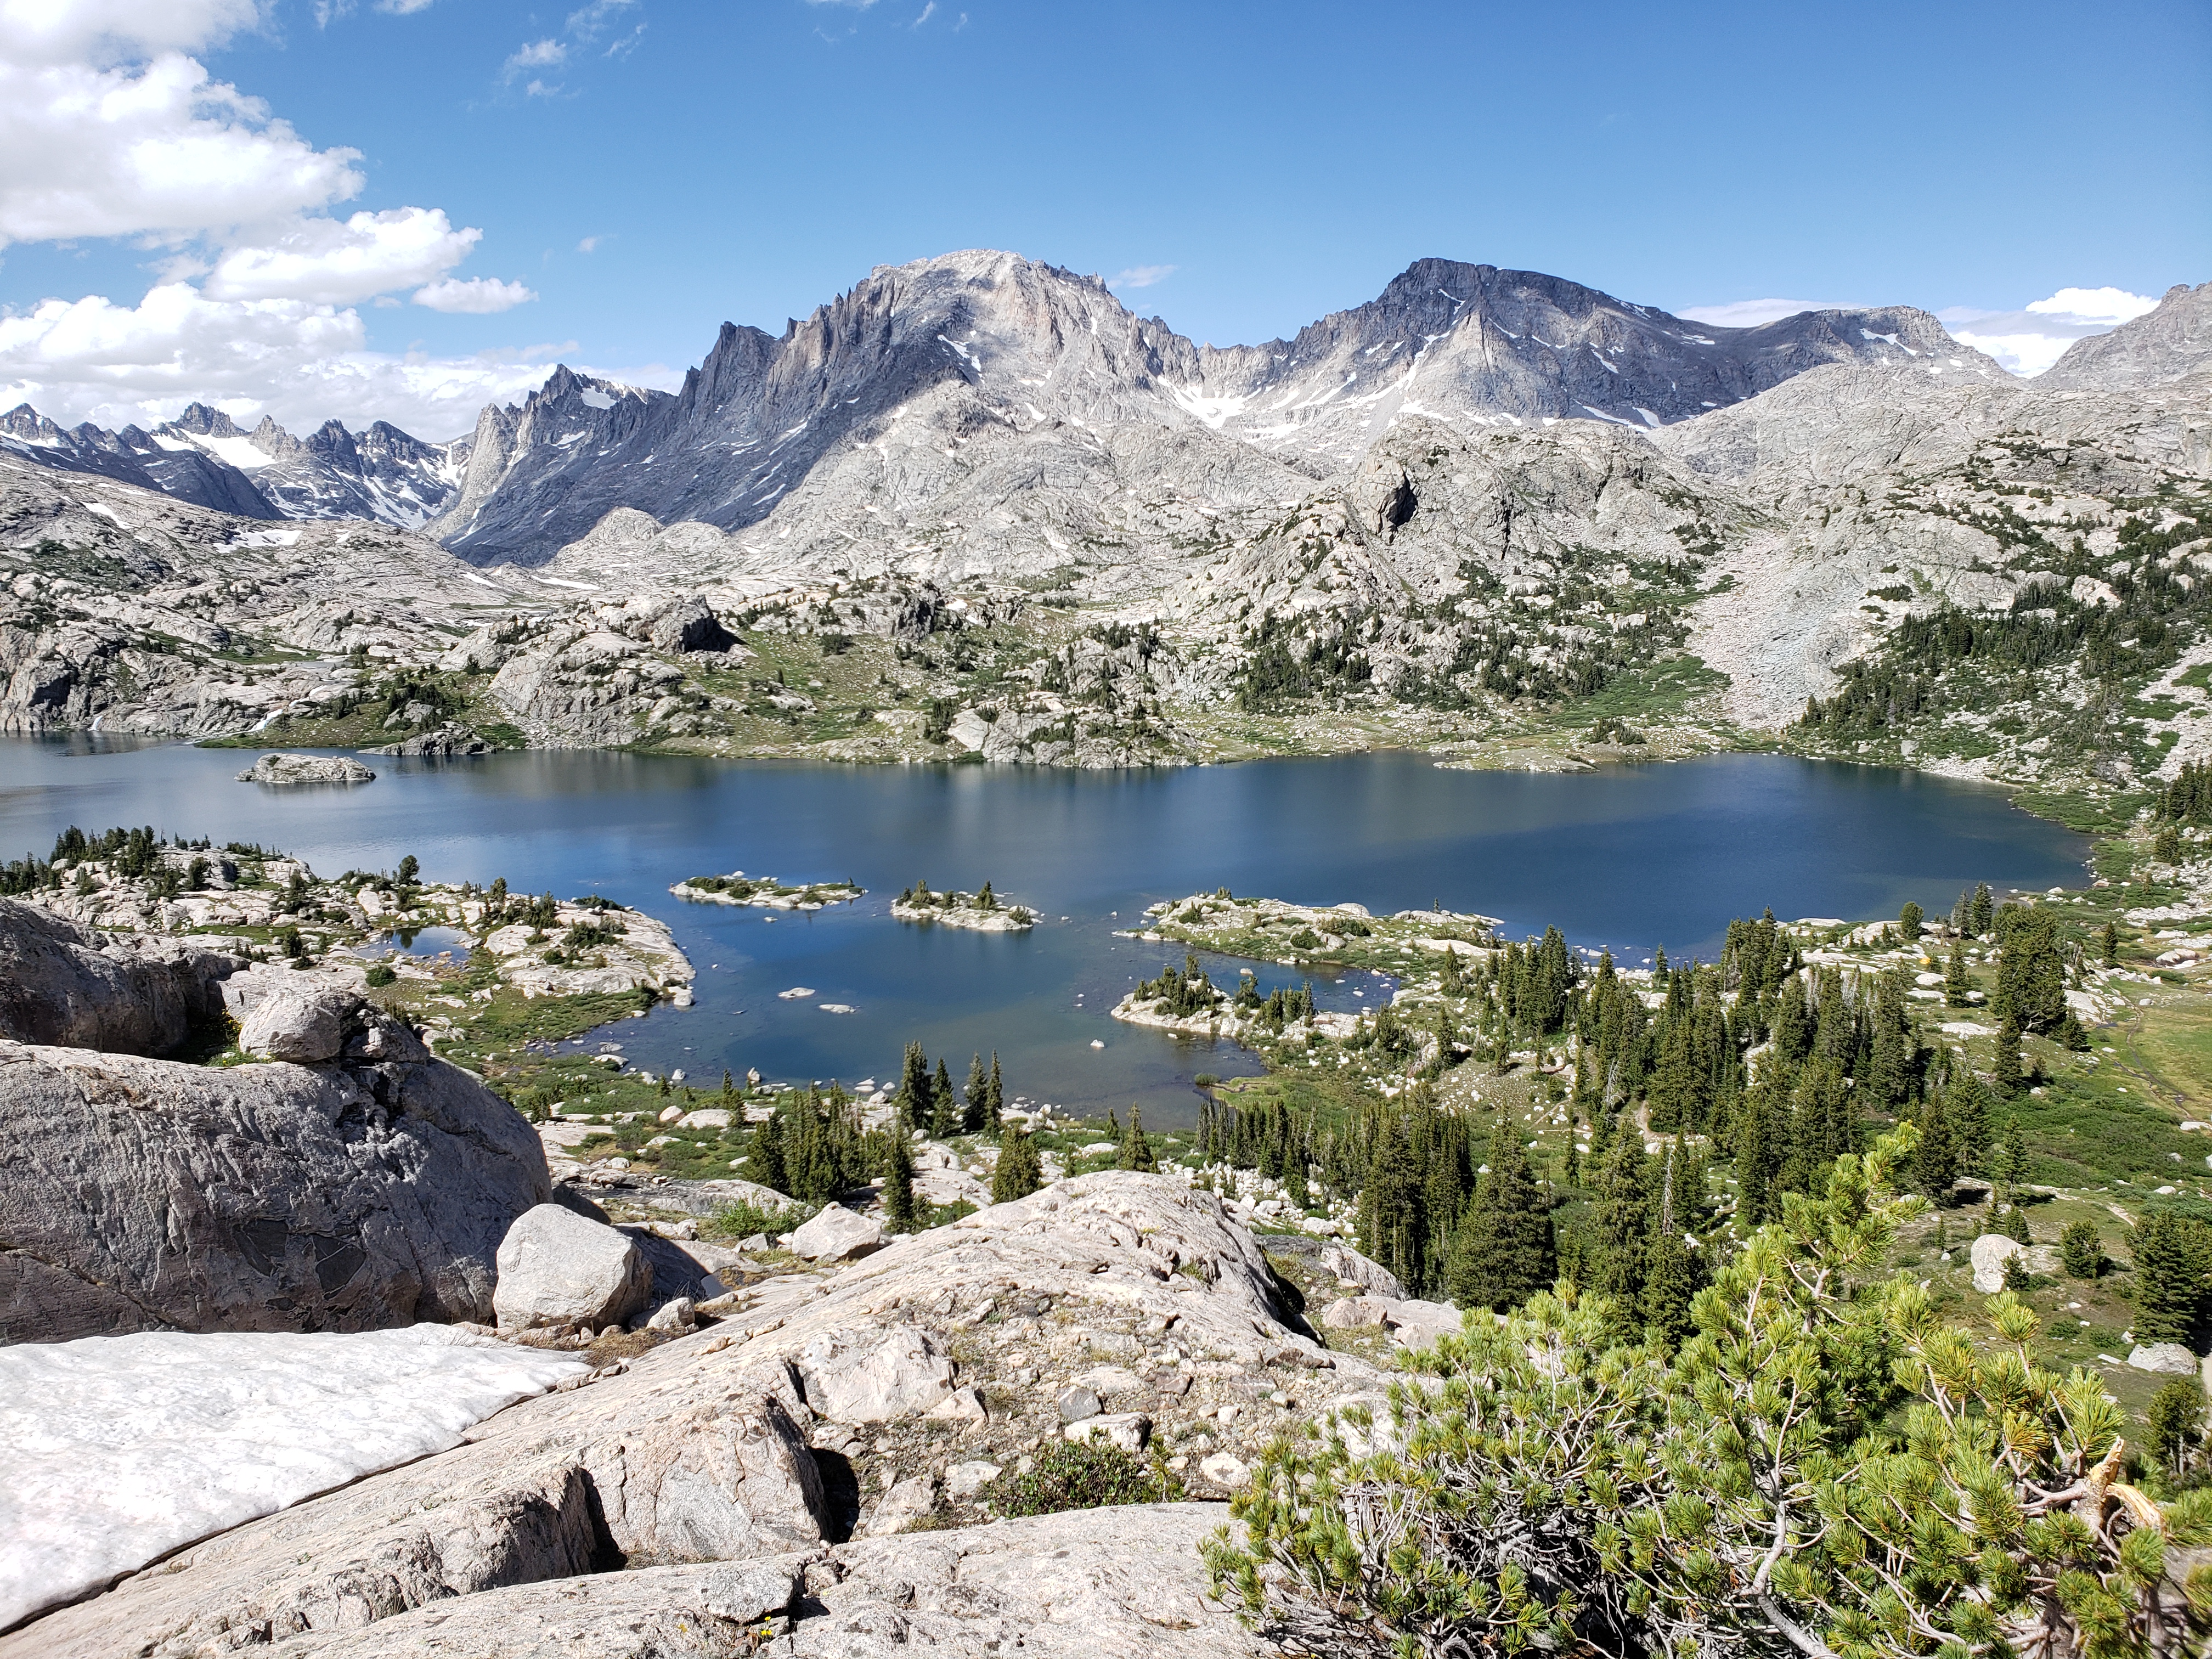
{"x": 122, "y": 1448}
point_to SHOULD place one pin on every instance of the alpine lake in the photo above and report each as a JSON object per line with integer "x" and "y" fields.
{"x": 1630, "y": 857}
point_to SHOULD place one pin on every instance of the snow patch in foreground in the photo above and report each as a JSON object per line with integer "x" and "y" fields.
{"x": 124, "y": 1448}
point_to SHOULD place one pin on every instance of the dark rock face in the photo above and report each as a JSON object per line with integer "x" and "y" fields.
{"x": 147, "y": 1195}
{"x": 63, "y": 984}
{"x": 383, "y": 474}
{"x": 133, "y": 457}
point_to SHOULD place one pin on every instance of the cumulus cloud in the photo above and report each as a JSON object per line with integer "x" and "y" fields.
{"x": 590, "y": 245}
{"x": 2033, "y": 338}
{"x": 475, "y": 296}
{"x": 328, "y": 262}
{"x": 1140, "y": 276}
{"x": 1750, "y": 313}
{"x": 91, "y": 359}
{"x": 110, "y": 128}
{"x": 53, "y": 32}
{"x": 162, "y": 148}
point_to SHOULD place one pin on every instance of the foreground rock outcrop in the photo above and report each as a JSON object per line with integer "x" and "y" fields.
{"x": 62, "y": 983}
{"x": 368, "y": 1191}
{"x": 721, "y": 1469}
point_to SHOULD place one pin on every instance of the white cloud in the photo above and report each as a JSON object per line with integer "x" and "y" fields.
{"x": 927, "y": 12}
{"x": 537, "y": 54}
{"x": 164, "y": 150}
{"x": 2033, "y": 338}
{"x": 333, "y": 264}
{"x": 1141, "y": 275}
{"x": 589, "y": 23}
{"x": 94, "y": 361}
{"x": 54, "y": 32}
{"x": 1750, "y": 313}
{"x": 2114, "y": 306}
{"x": 108, "y": 128}
{"x": 590, "y": 245}
{"x": 475, "y": 296}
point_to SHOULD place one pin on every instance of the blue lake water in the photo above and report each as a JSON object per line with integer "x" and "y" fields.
{"x": 1630, "y": 856}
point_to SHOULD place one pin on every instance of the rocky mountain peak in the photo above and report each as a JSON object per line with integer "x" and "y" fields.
{"x": 2164, "y": 344}
{"x": 201, "y": 421}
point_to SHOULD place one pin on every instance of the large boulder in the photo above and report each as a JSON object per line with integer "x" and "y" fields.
{"x": 143, "y": 1194}
{"x": 305, "y": 1023}
{"x": 1107, "y": 1584}
{"x": 306, "y": 769}
{"x": 837, "y": 1235}
{"x": 2167, "y": 1358}
{"x": 68, "y": 986}
{"x": 1989, "y": 1254}
{"x": 558, "y": 1269}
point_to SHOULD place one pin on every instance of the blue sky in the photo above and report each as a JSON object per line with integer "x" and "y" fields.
{"x": 647, "y": 168}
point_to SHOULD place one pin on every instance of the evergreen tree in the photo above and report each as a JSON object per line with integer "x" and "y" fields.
{"x": 1136, "y": 1150}
{"x": 1756, "y": 1158}
{"x": 2031, "y": 990}
{"x": 1019, "y": 1170}
{"x": 916, "y": 1101}
{"x": 1671, "y": 1268}
{"x": 1505, "y": 1250}
{"x": 898, "y": 1186}
{"x": 765, "y": 1162}
{"x": 1935, "y": 1160}
{"x": 944, "y": 1104}
{"x": 1968, "y": 1110}
{"x": 996, "y": 1111}
{"x": 976, "y": 1111}
{"x": 1909, "y": 921}
{"x": 1391, "y": 1230}
{"x": 1957, "y": 982}
{"x": 2111, "y": 943}
{"x": 1620, "y": 1219}
{"x": 1982, "y": 913}
{"x": 2081, "y": 1251}
{"x": 2005, "y": 1070}
{"x": 2171, "y": 1257}
{"x": 1893, "y": 1059}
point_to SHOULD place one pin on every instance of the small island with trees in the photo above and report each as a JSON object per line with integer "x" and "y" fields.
{"x": 765, "y": 892}
{"x": 982, "y": 911}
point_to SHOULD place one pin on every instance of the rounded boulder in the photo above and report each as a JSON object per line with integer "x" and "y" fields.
{"x": 559, "y": 1269}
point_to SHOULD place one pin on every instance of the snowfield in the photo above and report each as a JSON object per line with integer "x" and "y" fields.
{"x": 126, "y": 1448}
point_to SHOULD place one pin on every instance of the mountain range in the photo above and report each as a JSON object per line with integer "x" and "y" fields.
{"x": 1027, "y": 344}
{"x": 1456, "y": 514}
{"x": 202, "y": 457}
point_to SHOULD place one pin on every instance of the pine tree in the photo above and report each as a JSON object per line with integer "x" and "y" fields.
{"x": 1620, "y": 1218}
{"x": 944, "y": 1104}
{"x": 1909, "y": 921}
{"x": 916, "y": 1103}
{"x": 2005, "y": 1070}
{"x": 1935, "y": 1160}
{"x": 1505, "y": 1250}
{"x": 994, "y": 1113}
{"x": 765, "y": 1163}
{"x": 1019, "y": 1170}
{"x": 729, "y": 1088}
{"x": 977, "y": 1110}
{"x": 1958, "y": 984}
{"x": 2111, "y": 942}
{"x": 2170, "y": 1257}
{"x": 898, "y": 1186}
{"x": 1892, "y": 1059}
{"x": 1136, "y": 1150}
{"x": 1982, "y": 913}
{"x": 1391, "y": 1230}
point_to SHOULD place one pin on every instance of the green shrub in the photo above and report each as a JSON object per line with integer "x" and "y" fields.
{"x": 381, "y": 975}
{"x": 2080, "y": 1250}
{"x": 743, "y": 1220}
{"x": 1083, "y": 1477}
